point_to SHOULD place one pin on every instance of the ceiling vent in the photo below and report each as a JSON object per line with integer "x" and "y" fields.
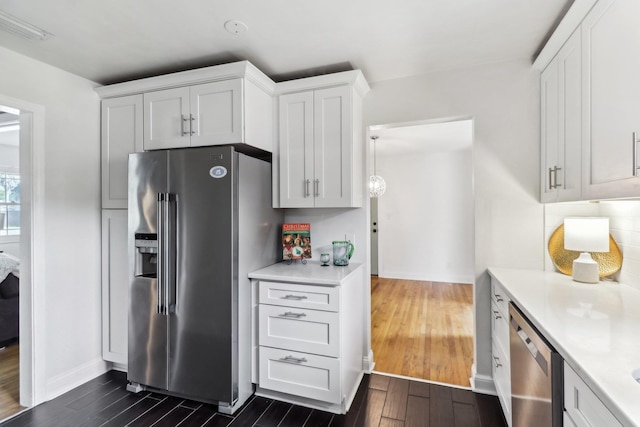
{"x": 21, "y": 28}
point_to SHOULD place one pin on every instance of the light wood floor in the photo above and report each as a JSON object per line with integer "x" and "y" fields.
{"x": 422, "y": 329}
{"x": 9, "y": 381}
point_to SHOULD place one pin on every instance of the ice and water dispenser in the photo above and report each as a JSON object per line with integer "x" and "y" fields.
{"x": 146, "y": 261}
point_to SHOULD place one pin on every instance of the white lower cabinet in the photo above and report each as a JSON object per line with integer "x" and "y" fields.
{"x": 501, "y": 367}
{"x": 300, "y": 374}
{"x": 582, "y": 406}
{"x": 115, "y": 285}
{"x": 292, "y": 328}
{"x": 308, "y": 338}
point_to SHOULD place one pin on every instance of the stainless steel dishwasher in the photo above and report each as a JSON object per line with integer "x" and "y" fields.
{"x": 536, "y": 376}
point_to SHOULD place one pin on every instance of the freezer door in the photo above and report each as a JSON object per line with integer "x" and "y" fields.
{"x": 148, "y": 356}
{"x": 202, "y": 348}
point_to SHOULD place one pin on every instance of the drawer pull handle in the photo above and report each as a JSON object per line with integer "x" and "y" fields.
{"x": 292, "y": 359}
{"x": 292, "y": 314}
{"x": 496, "y": 360}
{"x": 294, "y": 297}
{"x": 497, "y": 314}
{"x": 498, "y": 297}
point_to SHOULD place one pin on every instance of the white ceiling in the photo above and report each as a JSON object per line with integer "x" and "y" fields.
{"x": 110, "y": 41}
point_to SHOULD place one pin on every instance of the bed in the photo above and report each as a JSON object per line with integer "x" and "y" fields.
{"x": 9, "y": 299}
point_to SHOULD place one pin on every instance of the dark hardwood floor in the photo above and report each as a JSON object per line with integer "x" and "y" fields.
{"x": 381, "y": 401}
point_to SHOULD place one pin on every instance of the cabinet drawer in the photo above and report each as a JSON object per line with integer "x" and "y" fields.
{"x": 582, "y": 405}
{"x": 501, "y": 370}
{"x": 499, "y": 296}
{"x": 309, "y": 331}
{"x": 300, "y": 374}
{"x": 303, "y": 296}
{"x": 499, "y": 328}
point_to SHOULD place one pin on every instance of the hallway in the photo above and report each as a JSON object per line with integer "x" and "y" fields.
{"x": 422, "y": 329}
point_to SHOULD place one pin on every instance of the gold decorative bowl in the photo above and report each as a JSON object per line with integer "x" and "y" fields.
{"x": 608, "y": 262}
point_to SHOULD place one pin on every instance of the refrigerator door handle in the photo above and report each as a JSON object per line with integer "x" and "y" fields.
{"x": 170, "y": 260}
{"x": 161, "y": 253}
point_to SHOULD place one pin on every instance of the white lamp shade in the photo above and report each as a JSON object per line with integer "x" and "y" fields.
{"x": 586, "y": 234}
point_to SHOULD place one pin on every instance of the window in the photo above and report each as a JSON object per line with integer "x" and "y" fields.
{"x": 9, "y": 204}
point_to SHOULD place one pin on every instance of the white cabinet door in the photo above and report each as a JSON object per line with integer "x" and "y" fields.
{"x": 121, "y": 134}
{"x": 582, "y": 405}
{"x": 319, "y": 156}
{"x": 561, "y": 121}
{"x": 549, "y": 116}
{"x": 115, "y": 285}
{"x": 612, "y": 90}
{"x": 333, "y": 147}
{"x": 216, "y": 113}
{"x": 296, "y": 150}
{"x": 570, "y": 148}
{"x": 167, "y": 121}
{"x": 201, "y": 115}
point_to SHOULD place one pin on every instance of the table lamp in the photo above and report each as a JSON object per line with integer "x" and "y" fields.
{"x": 586, "y": 234}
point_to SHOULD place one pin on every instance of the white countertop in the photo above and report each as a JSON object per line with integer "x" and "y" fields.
{"x": 310, "y": 273}
{"x": 595, "y": 327}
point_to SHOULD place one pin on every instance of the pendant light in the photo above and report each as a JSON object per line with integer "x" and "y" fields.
{"x": 377, "y": 186}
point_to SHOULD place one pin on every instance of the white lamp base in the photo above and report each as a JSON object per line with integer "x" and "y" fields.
{"x": 585, "y": 269}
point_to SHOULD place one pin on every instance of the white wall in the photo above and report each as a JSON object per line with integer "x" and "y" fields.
{"x": 503, "y": 100}
{"x": 425, "y": 218}
{"x": 623, "y": 225}
{"x": 72, "y": 215}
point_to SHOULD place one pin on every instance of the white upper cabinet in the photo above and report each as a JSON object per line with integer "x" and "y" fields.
{"x": 320, "y": 152}
{"x": 206, "y": 114}
{"x": 296, "y": 150}
{"x": 589, "y": 92}
{"x": 337, "y": 160}
{"x": 121, "y": 135}
{"x": 561, "y": 124}
{"x": 219, "y": 105}
{"x": 610, "y": 35}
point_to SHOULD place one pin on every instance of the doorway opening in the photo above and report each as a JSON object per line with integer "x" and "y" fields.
{"x": 422, "y": 249}
{"x": 24, "y": 215}
{"x": 9, "y": 261}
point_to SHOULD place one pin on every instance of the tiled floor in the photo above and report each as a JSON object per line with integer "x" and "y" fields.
{"x": 380, "y": 401}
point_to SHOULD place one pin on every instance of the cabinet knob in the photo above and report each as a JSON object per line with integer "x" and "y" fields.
{"x": 496, "y": 361}
{"x": 294, "y": 315}
{"x": 294, "y": 359}
{"x": 294, "y": 297}
{"x": 183, "y": 127}
{"x": 191, "y": 120}
{"x": 635, "y": 153}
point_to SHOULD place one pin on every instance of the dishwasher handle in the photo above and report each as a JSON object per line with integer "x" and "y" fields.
{"x": 530, "y": 345}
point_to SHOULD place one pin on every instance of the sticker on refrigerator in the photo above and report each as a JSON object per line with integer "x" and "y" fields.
{"x": 218, "y": 171}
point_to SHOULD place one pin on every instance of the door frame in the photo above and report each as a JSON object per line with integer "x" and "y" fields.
{"x": 32, "y": 251}
{"x": 369, "y": 360}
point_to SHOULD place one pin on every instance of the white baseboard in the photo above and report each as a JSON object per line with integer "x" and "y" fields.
{"x": 465, "y": 279}
{"x": 367, "y": 362}
{"x": 71, "y": 379}
{"x": 483, "y": 384}
{"x": 122, "y": 367}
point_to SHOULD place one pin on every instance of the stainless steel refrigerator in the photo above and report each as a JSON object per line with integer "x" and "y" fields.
{"x": 200, "y": 219}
